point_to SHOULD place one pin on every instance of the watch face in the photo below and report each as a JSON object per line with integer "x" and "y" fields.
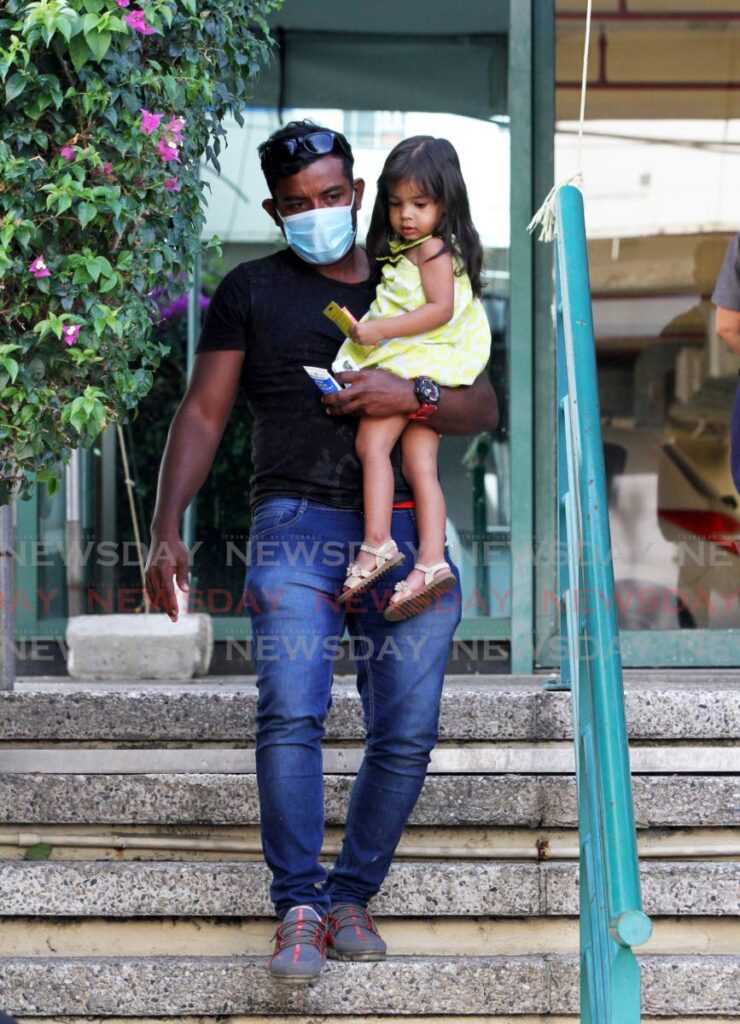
{"x": 426, "y": 391}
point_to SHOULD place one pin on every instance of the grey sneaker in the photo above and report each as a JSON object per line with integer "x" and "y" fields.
{"x": 352, "y": 935}
{"x": 299, "y": 947}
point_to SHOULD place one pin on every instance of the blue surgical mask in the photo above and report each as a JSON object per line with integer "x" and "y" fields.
{"x": 323, "y": 235}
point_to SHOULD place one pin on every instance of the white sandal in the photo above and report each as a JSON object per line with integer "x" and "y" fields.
{"x": 358, "y": 579}
{"x": 405, "y": 607}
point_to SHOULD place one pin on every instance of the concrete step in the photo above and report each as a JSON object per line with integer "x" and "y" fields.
{"x": 662, "y": 706}
{"x": 459, "y": 986}
{"x": 459, "y": 800}
{"x": 412, "y": 889}
{"x": 447, "y": 759}
{"x": 457, "y": 937}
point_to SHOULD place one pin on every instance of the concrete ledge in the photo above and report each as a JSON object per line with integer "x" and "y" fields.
{"x": 470, "y": 711}
{"x": 412, "y": 889}
{"x": 209, "y": 986}
{"x": 138, "y": 646}
{"x": 522, "y": 800}
{"x": 538, "y": 758}
{"x": 669, "y": 888}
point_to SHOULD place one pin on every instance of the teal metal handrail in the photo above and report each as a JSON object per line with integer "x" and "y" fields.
{"x": 611, "y": 916}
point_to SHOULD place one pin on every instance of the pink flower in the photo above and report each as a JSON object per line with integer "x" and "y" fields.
{"x": 137, "y": 21}
{"x": 70, "y": 333}
{"x": 67, "y": 152}
{"x": 123, "y": 3}
{"x": 167, "y": 149}
{"x": 172, "y": 184}
{"x": 149, "y": 122}
{"x": 175, "y": 125}
{"x": 39, "y": 268}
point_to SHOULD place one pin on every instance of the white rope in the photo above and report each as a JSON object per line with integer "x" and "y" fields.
{"x": 545, "y": 216}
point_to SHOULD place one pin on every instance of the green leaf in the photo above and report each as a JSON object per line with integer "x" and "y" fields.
{"x": 93, "y": 269}
{"x": 39, "y": 851}
{"x": 262, "y": 23}
{"x": 14, "y": 87}
{"x": 65, "y": 24}
{"x": 99, "y": 42}
{"x": 85, "y": 213}
{"x": 64, "y": 202}
{"x": 25, "y": 451}
{"x": 79, "y": 51}
{"x": 104, "y": 265}
{"x": 11, "y": 366}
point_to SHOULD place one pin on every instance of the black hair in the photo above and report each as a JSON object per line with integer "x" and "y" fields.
{"x": 273, "y": 171}
{"x": 432, "y": 165}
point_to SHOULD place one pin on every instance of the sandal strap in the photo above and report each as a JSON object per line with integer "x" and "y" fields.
{"x": 384, "y": 551}
{"x": 430, "y": 571}
{"x": 358, "y": 572}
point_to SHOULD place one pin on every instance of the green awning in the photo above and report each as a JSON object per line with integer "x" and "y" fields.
{"x": 427, "y": 55}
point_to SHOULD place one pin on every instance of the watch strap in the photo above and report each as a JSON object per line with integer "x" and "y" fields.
{"x": 423, "y": 412}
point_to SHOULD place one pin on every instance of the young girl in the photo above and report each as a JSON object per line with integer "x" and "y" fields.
{"x": 426, "y": 319}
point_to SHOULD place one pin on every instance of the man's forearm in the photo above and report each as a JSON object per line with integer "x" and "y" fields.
{"x": 727, "y": 326}
{"x": 378, "y": 393}
{"x": 191, "y": 446}
{"x": 466, "y": 410}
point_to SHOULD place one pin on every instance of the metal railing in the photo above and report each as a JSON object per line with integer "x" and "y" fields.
{"x": 611, "y": 916}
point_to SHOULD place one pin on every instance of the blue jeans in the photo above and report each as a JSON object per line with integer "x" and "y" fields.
{"x": 298, "y": 553}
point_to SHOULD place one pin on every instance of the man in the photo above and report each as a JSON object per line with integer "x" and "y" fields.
{"x": 264, "y": 324}
{"x": 726, "y": 298}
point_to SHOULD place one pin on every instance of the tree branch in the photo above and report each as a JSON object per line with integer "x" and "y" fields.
{"x": 65, "y": 67}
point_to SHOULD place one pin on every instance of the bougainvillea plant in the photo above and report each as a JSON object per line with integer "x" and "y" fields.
{"x": 109, "y": 106}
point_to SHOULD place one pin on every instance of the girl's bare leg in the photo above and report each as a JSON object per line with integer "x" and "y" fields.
{"x": 420, "y": 445}
{"x": 374, "y": 444}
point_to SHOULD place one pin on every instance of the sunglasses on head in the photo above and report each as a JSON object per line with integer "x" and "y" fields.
{"x": 283, "y": 151}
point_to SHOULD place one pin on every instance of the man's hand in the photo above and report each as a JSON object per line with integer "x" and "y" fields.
{"x": 373, "y": 393}
{"x": 463, "y": 410}
{"x": 167, "y": 557}
{"x": 369, "y": 332}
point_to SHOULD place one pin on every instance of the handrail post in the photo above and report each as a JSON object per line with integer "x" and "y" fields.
{"x": 611, "y": 917}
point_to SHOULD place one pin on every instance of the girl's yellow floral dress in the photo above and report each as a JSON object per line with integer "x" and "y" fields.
{"x": 451, "y": 355}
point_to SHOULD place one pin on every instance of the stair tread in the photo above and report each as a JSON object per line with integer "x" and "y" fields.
{"x": 172, "y": 986}
{"x": 452, "y": 800}
{"x": 472, "y": 710}
{"x": 414, "y": 888}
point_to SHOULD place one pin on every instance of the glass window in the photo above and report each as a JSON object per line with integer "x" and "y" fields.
{"x": 661, "y": 205}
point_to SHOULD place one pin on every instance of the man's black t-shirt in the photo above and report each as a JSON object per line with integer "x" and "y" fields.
{"x": 271, "y": 309}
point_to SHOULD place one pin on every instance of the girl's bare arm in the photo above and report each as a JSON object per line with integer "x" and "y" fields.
{"x": 438, "y": 282}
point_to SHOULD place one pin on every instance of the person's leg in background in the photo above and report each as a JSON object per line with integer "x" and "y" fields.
{"x": 401, "y": 670}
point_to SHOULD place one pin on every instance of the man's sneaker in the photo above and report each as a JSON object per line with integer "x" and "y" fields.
{"x": 299, "y": 947}
{"x": 352, "y": 935}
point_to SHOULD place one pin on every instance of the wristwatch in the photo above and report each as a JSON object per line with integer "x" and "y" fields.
{"x": 427, "y": 394}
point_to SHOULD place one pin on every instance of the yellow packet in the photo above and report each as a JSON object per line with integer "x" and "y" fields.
{"x": 340, "y": 316}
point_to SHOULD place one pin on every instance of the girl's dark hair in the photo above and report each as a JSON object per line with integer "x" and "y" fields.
{"x": 433, "y": 166}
